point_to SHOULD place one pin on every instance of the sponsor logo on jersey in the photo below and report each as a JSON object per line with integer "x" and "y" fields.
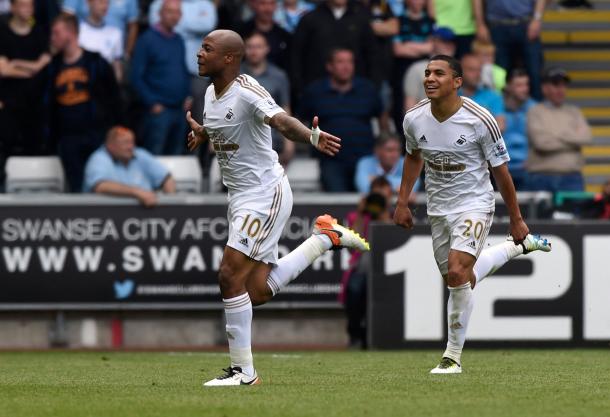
{"x": 444, "y": 163}
{"x": 423, "y": 139}
{"x": 225, "y": 147}
{"x": 229, "y": 114}
{"x": 472, "y": 245}
{"x": 461, "y": 140}
{"x": 244, "y": 241}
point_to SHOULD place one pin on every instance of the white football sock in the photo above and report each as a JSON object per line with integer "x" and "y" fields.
{"x": 459, "y": 308}
{"x": 238, "y": 311}
{"x": 290, "y": 266}
{"x": 492, "y": 258}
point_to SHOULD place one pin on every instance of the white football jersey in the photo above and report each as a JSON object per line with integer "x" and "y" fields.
{"x": 456, "y": 153}
{"x": 240, "y": 137}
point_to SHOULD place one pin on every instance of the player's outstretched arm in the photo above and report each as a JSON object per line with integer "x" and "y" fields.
{"x": 197, "y": 135}
{"x": 518, "y": 228}
{"x": 410, "y": 173}
{"x": 291, "y": 128}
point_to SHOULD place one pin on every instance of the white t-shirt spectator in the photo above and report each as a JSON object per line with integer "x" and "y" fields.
{"x": 106, "y": 40}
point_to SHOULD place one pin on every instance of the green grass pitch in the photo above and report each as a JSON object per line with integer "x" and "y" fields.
{"x": 495, "y": 383}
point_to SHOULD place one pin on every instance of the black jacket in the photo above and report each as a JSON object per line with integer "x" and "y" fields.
{"x": 319, "y": 32}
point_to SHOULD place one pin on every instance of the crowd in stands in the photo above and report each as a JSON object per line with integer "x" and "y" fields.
{"x": 71, "y": 71}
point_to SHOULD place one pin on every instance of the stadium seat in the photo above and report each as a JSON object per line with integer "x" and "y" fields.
{"x": 34, "y": 174}
{"x": 186, "y": 172}
{"x": 304, "y": 174}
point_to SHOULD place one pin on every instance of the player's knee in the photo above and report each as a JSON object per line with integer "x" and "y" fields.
{"x": 457, "y": 275}
{"x": 227, "y": 280}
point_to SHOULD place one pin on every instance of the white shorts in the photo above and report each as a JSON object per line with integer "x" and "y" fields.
{"x": 257, "y": 220}
{"x": 465, "y": 232}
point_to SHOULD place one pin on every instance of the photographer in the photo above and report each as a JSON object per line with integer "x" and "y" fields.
{"x": 599, "y": 207}
{"x": 375, "y": 207}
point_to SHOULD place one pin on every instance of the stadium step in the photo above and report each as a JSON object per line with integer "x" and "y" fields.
{"x": 590, "y": 78}
{"x": 577, "y": 55}
{"x": 578, "y": 40}
{"x": 601, "y": 135}
{"x": 597, "y": 114}
{"x": 575, "y": 36}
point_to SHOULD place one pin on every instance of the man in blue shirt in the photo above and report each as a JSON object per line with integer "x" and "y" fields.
{"x": 161, "y": 80}
{"x": 122, "y": 14}
{"x": 199, "y": 17}
{"x": 517, "y": 102}
{"x": 385, "y": 162}
{"x": 472, "y": 67}
{"x": 346, "y": 104}
{"x": 119, "y": 168}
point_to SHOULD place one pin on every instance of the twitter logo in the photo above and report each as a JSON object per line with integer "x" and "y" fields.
{"x": 123, "y": 289}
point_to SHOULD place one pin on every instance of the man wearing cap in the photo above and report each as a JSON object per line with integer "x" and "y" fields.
{"x": 557, "y": 131}
{"x": 443, "y": 43}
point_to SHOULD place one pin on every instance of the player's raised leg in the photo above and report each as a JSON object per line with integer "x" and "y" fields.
{"x": 235, "y": 270}
{"x": 327, "y": 234}
{"x": 494, "y": 257}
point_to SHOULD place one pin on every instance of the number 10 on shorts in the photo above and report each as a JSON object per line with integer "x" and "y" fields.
{"x": 251, "y": 227}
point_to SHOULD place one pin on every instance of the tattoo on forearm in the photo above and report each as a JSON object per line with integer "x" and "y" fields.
{"x": 294, "y": 130}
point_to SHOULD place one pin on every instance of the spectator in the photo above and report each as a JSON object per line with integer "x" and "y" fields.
{"x": 443, "y": 43}
{"x": 275, "y": 81}
{"x": 458, "y": 16}
{"x": 199, "y": 17}
{"x": 557, "y": 131}
{"x": 333, "y": 24}
{"x": 412, "y": 43}
{"x": 345, "y": 105}
{"x": 23, "y": 54}
{"x": 122, "y": 14}
{"x": 386, "y": 162}
{"x": 232, "y": 13}
{"x": 83, "y": 99}
{"x": 514, "y": 28}
{"x": 161, "y": 80}
{"x": 599, "y": 207}
{"x": 517, "y": 103}
{"x": 120, "y": 168}
{"x": 289, "y": 13}
{"x": 471, "y": 87}
{"x": 385, "y": 26}
{"x": 277, "y": 38}
{"x": 96, "y": 36}
{"x": 492, "y": 76}
{"x": 377, "y": 207}
{"x": 44, "y": 13}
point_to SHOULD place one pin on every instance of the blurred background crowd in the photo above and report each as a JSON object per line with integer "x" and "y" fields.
{"x": 71, "y": 71}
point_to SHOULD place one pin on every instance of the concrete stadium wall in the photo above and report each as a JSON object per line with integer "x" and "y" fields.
{"x": 168, "y": 330}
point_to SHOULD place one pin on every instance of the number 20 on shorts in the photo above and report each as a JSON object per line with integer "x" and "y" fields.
{"x": 478, "y": 229}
